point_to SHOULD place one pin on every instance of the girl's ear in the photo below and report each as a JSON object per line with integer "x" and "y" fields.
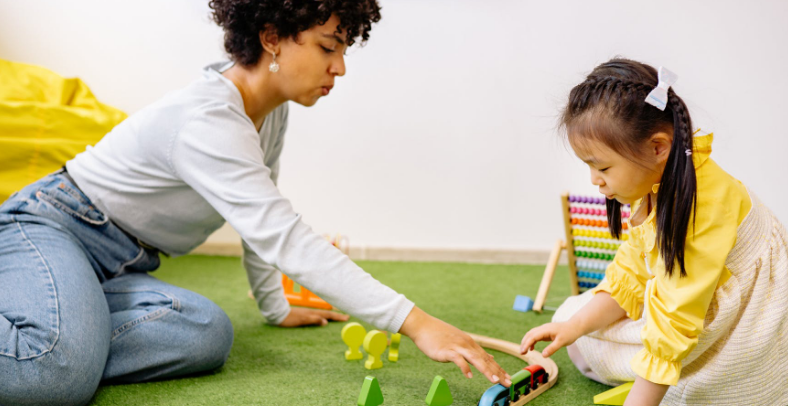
{"x": 660, "y": 143}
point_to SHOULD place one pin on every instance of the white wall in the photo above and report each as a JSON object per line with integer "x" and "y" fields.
{"x": 442, "y": 134}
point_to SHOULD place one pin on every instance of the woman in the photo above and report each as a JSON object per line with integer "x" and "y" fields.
{"x": 77, "y": 306}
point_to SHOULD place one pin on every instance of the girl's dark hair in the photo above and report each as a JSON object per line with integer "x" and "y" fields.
{"x": 609, "y": 106}
{"x": 242, "y": 21}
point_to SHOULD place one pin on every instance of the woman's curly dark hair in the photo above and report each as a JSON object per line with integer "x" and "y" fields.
{"x": 242, "y": 21}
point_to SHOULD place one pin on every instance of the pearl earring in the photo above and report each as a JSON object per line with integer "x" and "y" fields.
{"x": 273, "y": 67}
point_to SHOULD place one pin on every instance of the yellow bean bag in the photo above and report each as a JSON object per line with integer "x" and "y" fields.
{"x": 45, "y": 120}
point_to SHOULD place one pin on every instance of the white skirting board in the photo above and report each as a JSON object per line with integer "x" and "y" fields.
{"x": 360, "y": 252}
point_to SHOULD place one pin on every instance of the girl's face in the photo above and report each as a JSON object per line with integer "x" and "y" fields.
{"x": 310, "y": 61}
{"x": 619, "y": 177}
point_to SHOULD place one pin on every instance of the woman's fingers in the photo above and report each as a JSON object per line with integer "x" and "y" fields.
{"x": 458, "y": 359}
{"x": 333, "y": 316}
{"x": 315, "y": 319}
{"x": 300, "y": 316}
{"x": 443, "y": 342}
{"x": 486, "y": 365}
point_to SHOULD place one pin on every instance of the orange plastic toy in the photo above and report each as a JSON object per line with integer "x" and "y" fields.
{"x": 304, "y": 297}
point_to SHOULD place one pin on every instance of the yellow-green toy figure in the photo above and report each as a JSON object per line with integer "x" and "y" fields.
{"x": 353, "y": 336}
{"x": 375, "y": 344}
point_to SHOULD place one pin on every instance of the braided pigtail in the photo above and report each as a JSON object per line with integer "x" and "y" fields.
{"x": 677, "y": 194}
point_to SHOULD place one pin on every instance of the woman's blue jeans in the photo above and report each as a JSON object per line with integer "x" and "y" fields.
{"x": 77, "y": 306}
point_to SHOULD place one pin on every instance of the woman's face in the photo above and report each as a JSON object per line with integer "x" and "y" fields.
{"x": 309, "y": 62}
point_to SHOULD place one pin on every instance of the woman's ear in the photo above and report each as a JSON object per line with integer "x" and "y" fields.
{"x": 269, "y": 40}
{"x": 661, "y": 143}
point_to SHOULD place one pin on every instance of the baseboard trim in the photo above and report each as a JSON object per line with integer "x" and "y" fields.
{"x": 482, "y": 256}
{"x": 219, "y": 248}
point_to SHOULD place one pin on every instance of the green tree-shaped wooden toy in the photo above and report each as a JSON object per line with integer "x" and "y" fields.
{"x": 370, "y": 393}
{"x": 439, "y": 395}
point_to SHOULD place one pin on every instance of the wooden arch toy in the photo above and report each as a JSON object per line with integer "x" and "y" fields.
{"x": 531, "y": 357}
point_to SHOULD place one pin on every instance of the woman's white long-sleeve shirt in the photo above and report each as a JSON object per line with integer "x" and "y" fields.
{"x": 175, "y": 171}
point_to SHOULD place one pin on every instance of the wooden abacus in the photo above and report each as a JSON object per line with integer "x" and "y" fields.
{"x": 592, "y": 245}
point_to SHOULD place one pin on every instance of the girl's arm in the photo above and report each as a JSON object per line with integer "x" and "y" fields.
{"x": 645, "y": 393}
{"x": 600, "y": 312}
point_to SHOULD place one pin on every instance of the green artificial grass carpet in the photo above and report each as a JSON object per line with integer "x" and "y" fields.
{"x": 306, "y": 366}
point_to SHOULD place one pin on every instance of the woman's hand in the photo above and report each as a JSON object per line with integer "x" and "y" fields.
{"x": 443, "y": 342}
{"x": 561, "y": 335}
{"x": 300, "y": 316}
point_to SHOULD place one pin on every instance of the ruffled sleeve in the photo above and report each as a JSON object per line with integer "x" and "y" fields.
{"x": 655, "y": 369}
{"x": 625, "y": 280}
{"x": 676, "y": 307}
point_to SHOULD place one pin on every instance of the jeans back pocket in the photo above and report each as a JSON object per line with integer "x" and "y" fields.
{"x": 73, "y": 202}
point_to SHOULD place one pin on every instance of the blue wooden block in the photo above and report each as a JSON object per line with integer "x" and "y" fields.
{"x": 523, "y": 304}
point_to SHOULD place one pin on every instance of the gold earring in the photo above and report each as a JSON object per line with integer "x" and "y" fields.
{"x": 273, "y": 67}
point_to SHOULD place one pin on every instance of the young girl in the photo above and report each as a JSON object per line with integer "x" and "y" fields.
{"x": 703, "y": 277}
{"x": 77, "y": 305}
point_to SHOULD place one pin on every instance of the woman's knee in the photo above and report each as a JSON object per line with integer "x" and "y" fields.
{"x": 180, "y": 331}
{"x": 204, "y": 331}
{"x": 214, "y": 335}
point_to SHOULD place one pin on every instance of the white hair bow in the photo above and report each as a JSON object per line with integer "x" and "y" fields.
{"x": 659, "y": 96}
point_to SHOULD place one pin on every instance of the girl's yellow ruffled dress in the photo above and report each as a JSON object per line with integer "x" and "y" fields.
{"x": 719, "y": 335}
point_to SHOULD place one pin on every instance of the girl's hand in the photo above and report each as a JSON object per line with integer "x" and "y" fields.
{"x": 600, "y": 312}
{"x": 300, "y": 316}
{"x": 561, "y": 335}
{"x": 443, "y": 342}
